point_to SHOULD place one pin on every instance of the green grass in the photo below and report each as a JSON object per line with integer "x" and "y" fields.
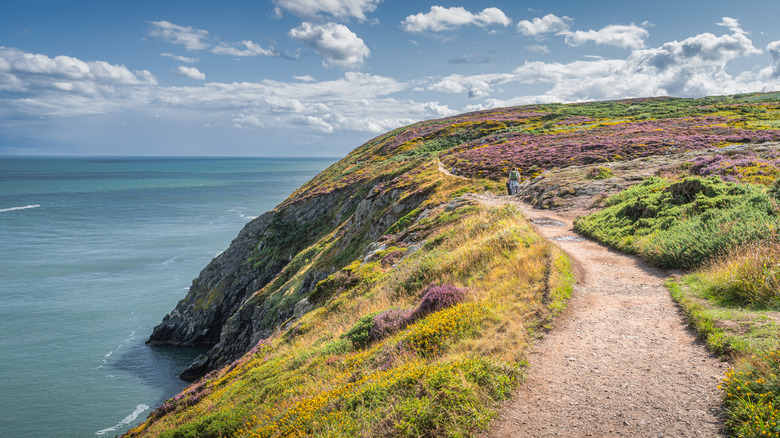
{"x": 746, "y": 331}
{"x": 729, "y": 330}
{"x": 748, "y": 276}
{"x": 681, "y": 224}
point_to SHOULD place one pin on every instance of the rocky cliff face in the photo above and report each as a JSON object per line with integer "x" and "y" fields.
{"x": 262, "y": 281}
{"x": 217, "y": 292}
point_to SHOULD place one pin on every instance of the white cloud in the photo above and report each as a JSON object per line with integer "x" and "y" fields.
{"x": 341, "y": 9}
{"x": 62, "y": 86}
{"x": 444, "y": 19}
{"x": 249, "y": 49}
{"x": 190, "y": 72}
{"x": 731, "y": 23}
{"x": 537, "y": 48}
{"x": 701, "y": 51}
{"x": 693, "y": 67}
{"x": 774, "y": 50}
{"x": 448, "y": 85}
{"x": 31, "y": 72}
{"x": 180, "y": 58}
{"x": 548, "y": 24}
{"x": 305, "y": 78}
{"x": 476, "y": 85}
{"x": 335, "y": 42}
{"x": 629, "y": 37}
{"x": 191, "y": 39}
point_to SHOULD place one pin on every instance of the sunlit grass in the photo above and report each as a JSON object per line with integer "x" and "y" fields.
{"x": 440, "y": 375}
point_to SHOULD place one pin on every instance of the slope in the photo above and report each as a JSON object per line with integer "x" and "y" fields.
{"x": 331, "y": 305}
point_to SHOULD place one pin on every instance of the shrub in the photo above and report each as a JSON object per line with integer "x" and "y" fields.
{"x": 430, "y": 336}
{"x": 360, "y": 333}
{"x": 600, "y": 172}
{"x": 684, "y": 223}
{"x": 752, "y": 398}
{"x": 437, "y": 298}
{"x": 389, "y": 322}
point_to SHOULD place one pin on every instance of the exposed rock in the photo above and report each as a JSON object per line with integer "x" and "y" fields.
{"x": 230, "y": 306}
{"x": 372, "y": 250}
{"x": 196, "y": 369}
{"x": 217, "y": 292}
{"x": 302, "y": 307}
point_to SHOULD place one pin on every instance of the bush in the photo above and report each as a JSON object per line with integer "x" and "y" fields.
{"x": 389, "y": 322}
{"x": 437, "y": 298}
{"x": 379, "y": 325}
{"x": 360, "y": 333}
{"x": 684, "y": 223}
{"x": 600, "y": 172}
{"x": 752, "y": 398}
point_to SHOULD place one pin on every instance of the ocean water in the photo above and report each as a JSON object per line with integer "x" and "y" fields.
{"x": 93, "y": 253}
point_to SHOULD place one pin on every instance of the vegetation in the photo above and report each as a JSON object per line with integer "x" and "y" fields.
{"x": 730, "y": 303}
{"x": 439, "y": 369}
{"x": 683, "y": 223}
{"x": 753, "y": 397}
{"x": 600, "y": 172}
{"x": 747, "y": 276}
{"x": 422, "y": 304}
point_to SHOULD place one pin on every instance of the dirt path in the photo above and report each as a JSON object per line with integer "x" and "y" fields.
{"x": 620, "y": 361}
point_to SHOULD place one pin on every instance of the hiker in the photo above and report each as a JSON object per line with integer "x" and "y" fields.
{"x": 513, "y": 182}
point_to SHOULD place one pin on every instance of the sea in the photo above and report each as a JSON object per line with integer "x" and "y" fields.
{"x": 93, "y": 253}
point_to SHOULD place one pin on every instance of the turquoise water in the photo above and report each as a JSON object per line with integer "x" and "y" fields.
{"x": 93, "y": 253}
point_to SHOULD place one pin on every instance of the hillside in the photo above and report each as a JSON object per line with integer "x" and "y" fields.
{"x": 381, "y": 299}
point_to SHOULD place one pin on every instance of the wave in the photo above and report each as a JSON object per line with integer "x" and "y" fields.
{"x": 3, "y": 210}
{"x": 240, "y": 212}
{"x": 126, "y": 421}
{"x": 119, "y": 347}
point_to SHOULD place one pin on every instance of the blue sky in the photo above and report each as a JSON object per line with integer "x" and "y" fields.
{"x": 320, "y": 77}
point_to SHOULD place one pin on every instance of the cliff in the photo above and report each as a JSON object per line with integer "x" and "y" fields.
{"x": 331, "y": 296}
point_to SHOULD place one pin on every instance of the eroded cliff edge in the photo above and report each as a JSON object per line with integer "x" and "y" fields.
{"x": 245, "y": 293}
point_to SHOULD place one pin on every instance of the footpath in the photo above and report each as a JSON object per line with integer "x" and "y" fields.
{"x": 620, "y": 361}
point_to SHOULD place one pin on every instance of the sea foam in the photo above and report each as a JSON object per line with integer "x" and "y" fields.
{"x": 125, "y": 421}
{"x": 3, "y": 210}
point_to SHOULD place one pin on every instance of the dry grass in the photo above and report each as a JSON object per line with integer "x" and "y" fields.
{"x": 748, "y": 275}
{"x": 439, "y": 376}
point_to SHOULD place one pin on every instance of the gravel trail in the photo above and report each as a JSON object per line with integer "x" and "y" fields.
{"x": 620, "y": 361}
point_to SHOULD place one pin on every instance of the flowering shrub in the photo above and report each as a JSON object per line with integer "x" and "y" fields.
{"x": 436, "y": 298}
{"x": 429, "y": 335}
{"x": 492, "y": 156}
{"x": 389, "y": 322}
{"x": 752, "y": 398}
{"x": 744, "y": 168}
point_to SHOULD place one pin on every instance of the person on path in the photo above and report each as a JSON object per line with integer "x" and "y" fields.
{"x": 513, "y": 182}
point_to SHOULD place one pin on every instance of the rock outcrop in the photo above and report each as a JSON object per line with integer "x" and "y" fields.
{"x": 243, "y": 295}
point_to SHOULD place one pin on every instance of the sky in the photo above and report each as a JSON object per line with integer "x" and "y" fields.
{"x": 320, "y": 77}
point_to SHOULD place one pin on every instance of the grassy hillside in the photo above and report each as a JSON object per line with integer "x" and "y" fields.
{"x": 395, "y": 305}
